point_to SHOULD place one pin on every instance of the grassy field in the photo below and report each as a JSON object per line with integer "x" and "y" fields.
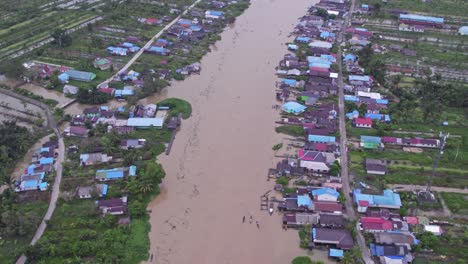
{"x": 295, "y": 131}
{"x": 439, "y": 8}
{"x": 456, "y": 202}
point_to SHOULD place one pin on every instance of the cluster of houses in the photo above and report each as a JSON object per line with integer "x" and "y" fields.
{"x": 34, "y": 177}
{"x": 304, "y": 85}
{"x": 124, "y": 48}
{"x": 140, "y": 117}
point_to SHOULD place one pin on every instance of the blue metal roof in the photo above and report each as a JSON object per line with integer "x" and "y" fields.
{"x": 215, "y": 13}
{"x": 387, "y": 199}
{"x": 293, "y": 107}
{"x": 289, "y": 81}
{"x": 31, "y": 184}
{"x": 318, "y": 138}
{"x": 364, "y": 78}
{"x": 438, "y": 20}
{"x": 104, "y": 189}
{"x": 351, "y": 98}
{"x": 132, "y": 170}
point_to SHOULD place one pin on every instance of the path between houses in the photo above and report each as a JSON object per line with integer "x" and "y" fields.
{"x": 58, "y": 167}
{"x": 147, "y": 45}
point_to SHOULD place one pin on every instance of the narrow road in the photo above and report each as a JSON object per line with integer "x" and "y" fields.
{"x": 147, "y": 45}
{"x": 366, "y": 256}
{"x": 58, "y": 167}
{"x": 410, "y": 188}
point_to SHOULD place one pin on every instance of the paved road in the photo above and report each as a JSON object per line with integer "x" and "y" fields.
{"x": 351, "y": 214}
{"x": 409, "y": 188}
{"x": 58, "y": 167}
{"x": 147, "y": 45}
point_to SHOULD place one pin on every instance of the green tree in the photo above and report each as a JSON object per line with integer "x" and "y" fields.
{"x": 61, "y": 38}
{"x": 12, "y": 69}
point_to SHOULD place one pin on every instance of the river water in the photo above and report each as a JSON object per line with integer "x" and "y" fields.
{"x": 217, "y": 168}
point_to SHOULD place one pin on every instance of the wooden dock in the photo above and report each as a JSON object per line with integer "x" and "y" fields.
{"x": 174, "y": 128}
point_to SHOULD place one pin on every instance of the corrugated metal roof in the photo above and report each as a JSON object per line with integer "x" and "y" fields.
{"x": 422, "y": 18}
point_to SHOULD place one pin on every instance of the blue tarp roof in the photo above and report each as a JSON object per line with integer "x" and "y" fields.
{"x": 336, "y": 253}
{"x": 104, "y": 189}
{"x": 422, "y": 18}
{"x": 43, "y": 186}
{"x": 63, "y": 77}
{"x": 304, "y": 200}
{"x": 289, "y": 81}
{"x": 352, "y": 114}
{"x": 323, "y": 191}
{"x": 319, "y": 138}
{"x": 293, "y": 107}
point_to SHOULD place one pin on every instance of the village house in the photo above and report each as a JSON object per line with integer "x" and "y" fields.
{"x": 102, "y": 63}
{"x": 31, "y": 182}
{"x": 325, "y": 194}
{"x": 411, "y": 19}
{"x": 375, "y": 224}
{"x": 293, "y": 108}
{"x": 296, "y": 203}
{"x": 362, "y": 122}
{"x": 339, "y": 238}
{"x": 94, "y": 159}
{"x": 76, "y": 131}
{"x": 388, "y": 199}
{"x": 300, "y": 219}
{"x": 132, "y": 143}
{"x": 371, "y": 142}
{"x": 375, "y": 166}
{"x": 331, "y": 220}
{"x": 116, "y": 173}
{"x": 142, "y": 123}
{"x": 87, "y": 192}
{"x": 327, "y": 207}
{"x": 115, "y": 206}
{"x": 314, "y": 161}
{"x": 395, "y": 238}
{"x": 392, "y": 251}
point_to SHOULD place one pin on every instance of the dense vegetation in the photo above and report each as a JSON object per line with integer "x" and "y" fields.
{"x": 14, "y": 142}
{"x": 177, "y": 106}
{"x": 295, "y": 131}
{"x": 78, "y": 233}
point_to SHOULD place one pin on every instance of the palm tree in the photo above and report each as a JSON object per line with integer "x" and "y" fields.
{"x": 146, "y": 187}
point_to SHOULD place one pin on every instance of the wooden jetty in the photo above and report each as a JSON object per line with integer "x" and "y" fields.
{"x": 173, "y": 125}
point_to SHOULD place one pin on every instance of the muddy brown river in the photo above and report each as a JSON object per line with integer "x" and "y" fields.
{"x": 217, "y": 169}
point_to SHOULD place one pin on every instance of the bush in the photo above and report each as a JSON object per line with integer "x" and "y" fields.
{"x": 282, "y": 180}
{"x": 302, "y": 260}
{"x": 277, "y": 146}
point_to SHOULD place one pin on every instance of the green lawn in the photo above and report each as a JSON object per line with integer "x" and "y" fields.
{"x": 177, "y": 106}
{"x": 456, "y": 202}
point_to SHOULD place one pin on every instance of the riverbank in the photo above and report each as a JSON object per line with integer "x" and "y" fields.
{"x": 218, "y": 165}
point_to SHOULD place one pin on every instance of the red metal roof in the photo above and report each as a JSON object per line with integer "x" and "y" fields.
{"x": 376, "y": 223}
{"x": 412, "y": 220}
{"x": 363, "y": 121}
